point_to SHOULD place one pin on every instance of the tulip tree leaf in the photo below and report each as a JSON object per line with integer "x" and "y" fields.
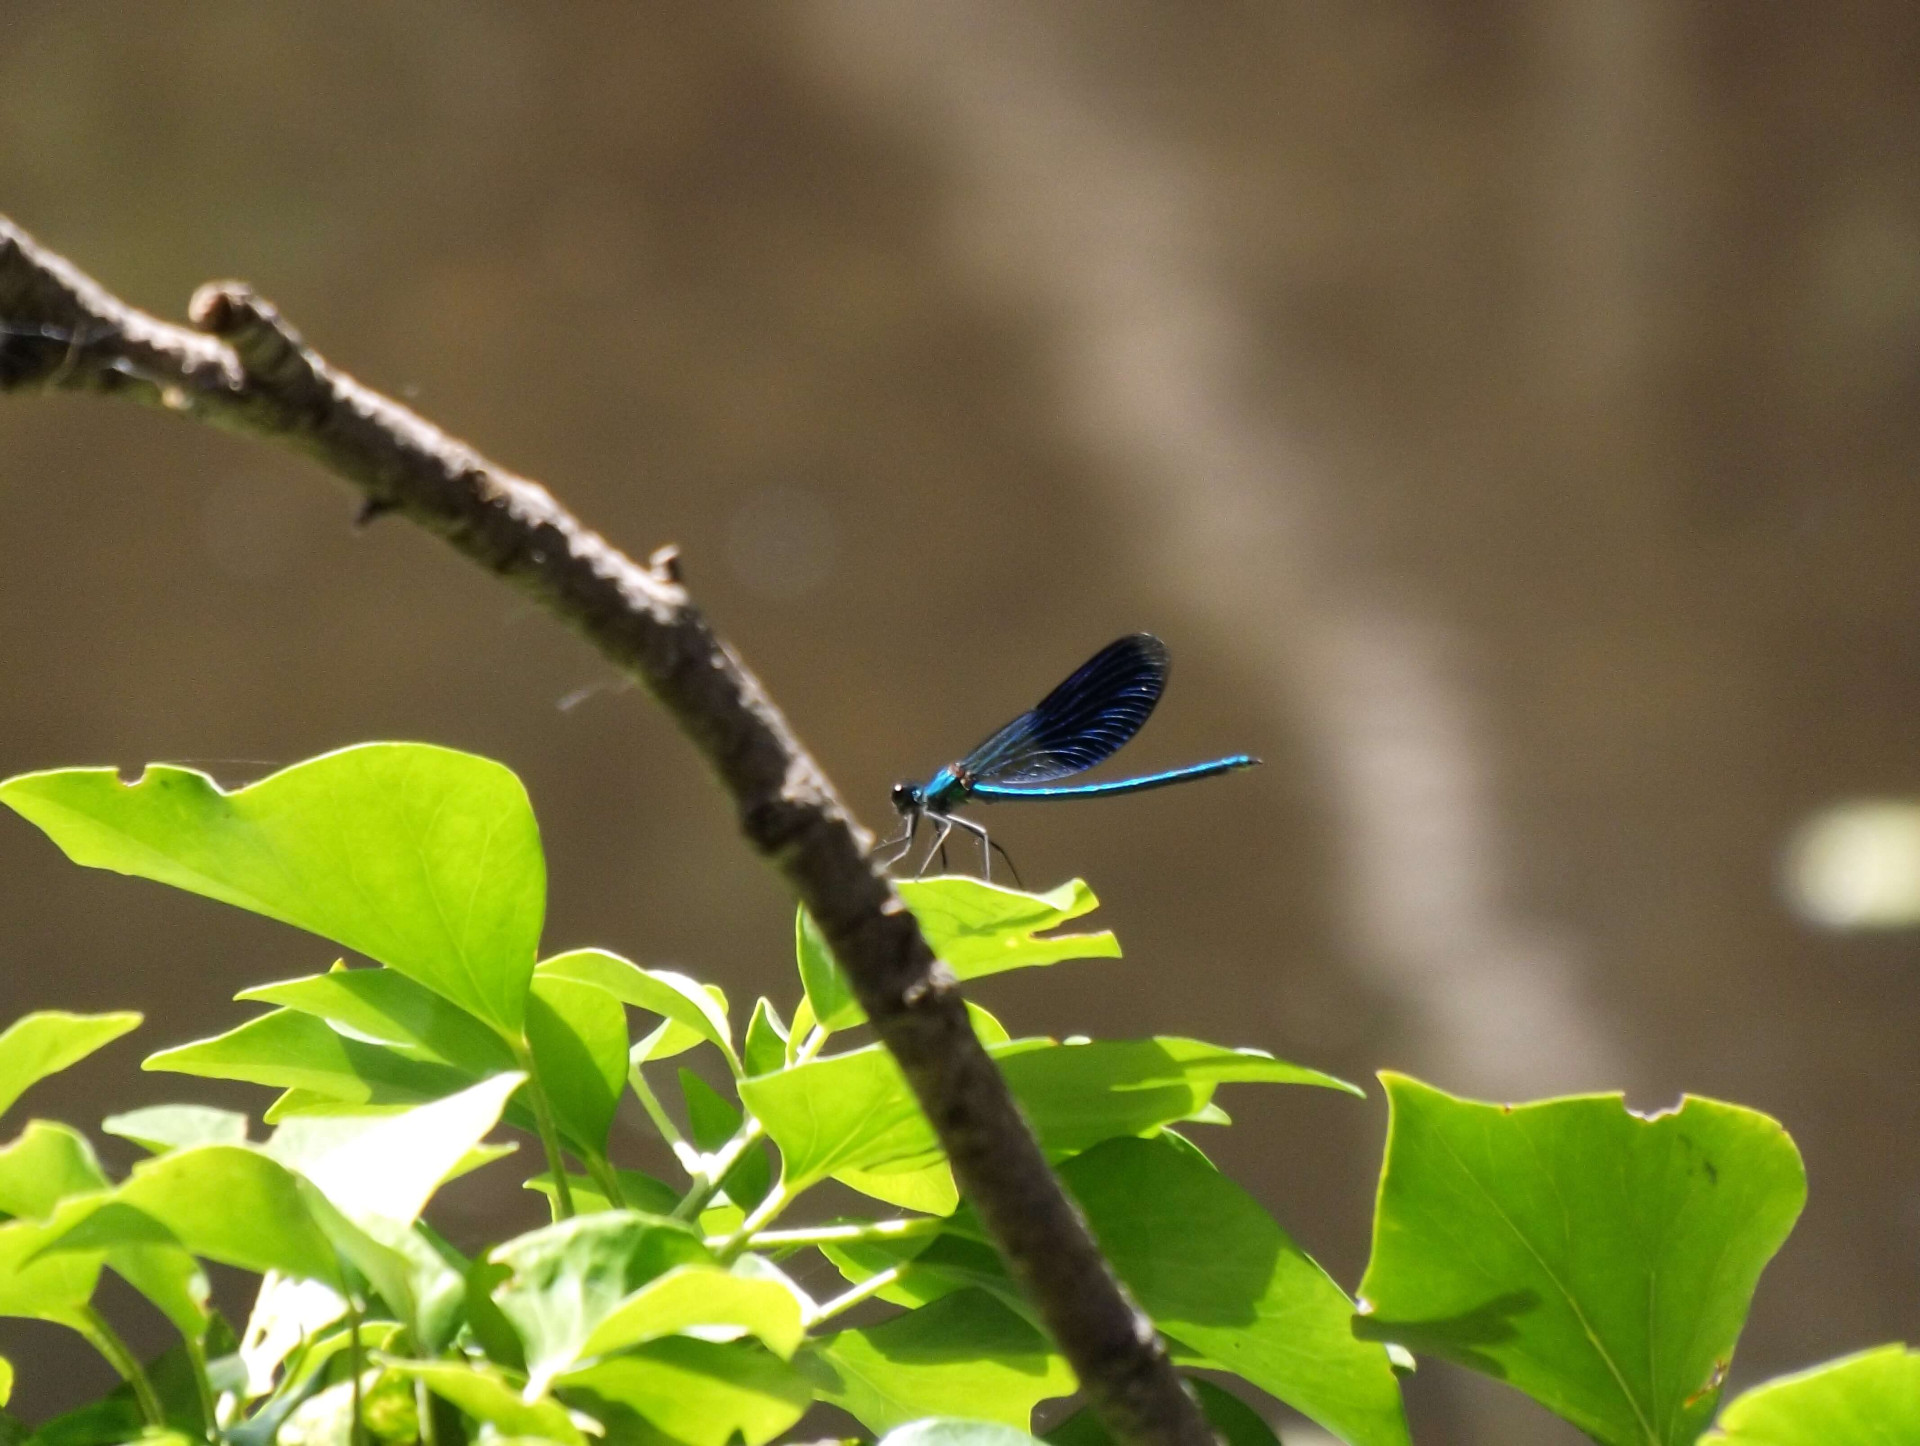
{"x": 703, "y": 1393}
{"x": 37, "y": 1045}
{"x": 568, "y": 1277}
{"x": 1599, "y": 1261}
{"x": 966, "y": 1352}
{"x": 294, "y": 1051}
{"x": 701, "y": 1295}
{"x": 578, "y": 1035}
{"x": 699, "y": 1007}
{"x": 1216, "y": 1272}
{"x": 853, "y": 1111}
{"x": 384, "y": 1166}
{"x": 975, "y": 927}
{"x": 423, "y": 858}
{"x": 1869, "y": 1399}
{"x": 159, "y": 1128}
{"x": 384, "y": 1006}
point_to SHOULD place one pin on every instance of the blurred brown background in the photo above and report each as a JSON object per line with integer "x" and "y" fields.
{"x": 1507, "y": 413}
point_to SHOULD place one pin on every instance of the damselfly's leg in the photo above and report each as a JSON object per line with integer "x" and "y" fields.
{"x": 939, "y": 842}
{"x": 987, "y": 845}
{"x": 901, "y": 845}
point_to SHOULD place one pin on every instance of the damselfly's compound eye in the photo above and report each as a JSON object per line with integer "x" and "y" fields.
{"x": 904, "y": 798}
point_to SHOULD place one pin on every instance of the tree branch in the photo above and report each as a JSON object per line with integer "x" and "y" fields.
{"x": 246, "y": 370}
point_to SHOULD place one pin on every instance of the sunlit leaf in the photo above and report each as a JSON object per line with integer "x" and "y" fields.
{"x": 569, "y": 1276}
{"x": 1599, "y": 1261}
{"x": 487, "y": 1396}
{"x": 702, "y": 1392}
{"x": 959, "y": 1431}
{"x": 37, "y": 1045}
{"x": 286, "y": 1311}
{"x": 765, "y": 1049}
{"x": 423, "y": 858}
{"x": 853, "y": 1111}
{"x": 54, "y": 1287}
{"x": 964, "y": 1353}
{"x": 701, "y": 1295}
{"x": 638, "y": 1191}
{"x": 956, "y": 1431}
{"x": 47, "y": 1163}
{"x": 578, "y": 1034}
{"x": 1214, "y": 1270}
{"x": 699, "y": 1007}
{"x": 713, "y": 1120}
{"x": 928, "y": 1189}
{"x": 1869, "y": 1399}
{"x": 159, "y": 1128}
{"x": 384, "y": 1006}
{"x": 385, "y": 1165}
{"x": 223, "y": 1202}
{"x": 295, "y": 1051}
{"x": 975, "y": 927}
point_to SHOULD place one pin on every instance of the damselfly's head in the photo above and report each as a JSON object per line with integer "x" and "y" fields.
{"x": 907, "y": 799}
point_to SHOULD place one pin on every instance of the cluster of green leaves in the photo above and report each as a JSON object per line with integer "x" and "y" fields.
{"x": 1601, "y": 1262}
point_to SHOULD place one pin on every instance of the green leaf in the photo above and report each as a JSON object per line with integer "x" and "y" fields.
{"x": 47, "y": 1163}
{"x": 1601, "y": 1262}
{"x": 699, "y": 1007}
{"x": 53, "y": 1287}
{"x": 425, "y": 859}
{"x": 224, "y": 1202}
{"x": 37, "y": 1045}
{"x": 578, "y": 1035}
{"x": 829, "y": 994}
{"x": 860, "y": 1260}
{"x": 6, "y": 1380}
{"x": 975, "y": 927}
{"x": 928, "y": 1189}
{"x": 1215, "y": 1271}
{"x": 964, "y": 1353}
{"x": 486, "y": 1396}
{"x": 568, "y": 1277}
{"x": 1869, "y": 1399}
{"x": 956, "y": 1431}
{"x": 980, "y": 928}
{"x": 52, "y": 1162}
{"x": 638, "y": 1192}
{"x": 702, "y": 1392}
{"x": 295, "y": 1051}
{"x": 384, "y": 1165}
{"x": 384, "y": 1006}
{"x": 159, "y": 1128}
{"x": 1237, "y": 1423}
{"x": 766, "y": 1048}
{"x": 712, "y": 1121}
{"x": 702, "y": 1295}
{"x": 853, "y": 1111}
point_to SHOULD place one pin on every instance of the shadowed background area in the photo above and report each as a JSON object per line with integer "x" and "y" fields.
{"x": 1507, "y": 414}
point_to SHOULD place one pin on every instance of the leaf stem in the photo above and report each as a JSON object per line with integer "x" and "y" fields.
{"x": 106, "y": 1340}
{"x": 685, "y": 1153}
{"x": 713, "y": 1170}
{"x": 777, "y": 1200}
{"x": 549, "y": 1134}
{"x": 865, "y": 1290}
{"x": 608, "y": 1179}
{"x": 356, "y": 1363}
{"x": 196, "y": 1347}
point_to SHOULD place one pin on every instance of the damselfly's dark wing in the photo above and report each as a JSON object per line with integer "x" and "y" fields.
{"x": 1083, "y": 721}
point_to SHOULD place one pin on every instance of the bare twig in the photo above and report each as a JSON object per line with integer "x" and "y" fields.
{"x": 246, "y": 370}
